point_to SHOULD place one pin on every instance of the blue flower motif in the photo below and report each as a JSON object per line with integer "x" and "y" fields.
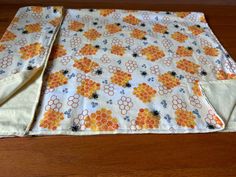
{"x": 94, "y": 104}
{"x": 72, "y": 75}
{"x": 109, "y": 102}
{"x": 182, "y": 90}
{"x": 195, "y": 111}
{"x": 164, "y": 104}
{"x": 65, "y": 90}
{"x": 104, "y": 82}
{"x": 119, "y": 62}
{"x": 68, "y": 113}
{"x": 168, "y": 118}
{"x": 1, "y": 71}
{"x": 127, "y": 118}
{"x": 122, "y": 92}
{"x": 151, "y": 79}
{"x": 105, "y": 41}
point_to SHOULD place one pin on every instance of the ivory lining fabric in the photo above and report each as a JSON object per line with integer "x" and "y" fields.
{"x": 114, "y": 71}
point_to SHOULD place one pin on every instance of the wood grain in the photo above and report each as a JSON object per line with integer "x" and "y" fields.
{"x": 192, "y": 155}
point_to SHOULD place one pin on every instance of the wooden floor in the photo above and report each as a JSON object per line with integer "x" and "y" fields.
{"x": 191, "y": 155}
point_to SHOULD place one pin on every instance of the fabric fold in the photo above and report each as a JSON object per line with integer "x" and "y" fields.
{"x": 28, "y": 39}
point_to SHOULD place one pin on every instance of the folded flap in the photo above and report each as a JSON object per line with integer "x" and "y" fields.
{"x": 29, "y": 37}
{"x": 221, "y": 95}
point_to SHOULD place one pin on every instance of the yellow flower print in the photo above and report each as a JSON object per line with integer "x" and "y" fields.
{"x": 101, "y": 120}
{"x": 211, "y": 51}
{"x": 169, "y": 80}
{"x": 106, "y": 12}
{"x": 75, "y": 26}
{"x": 196, "y": 29}
{"x": 179, "y": 37}
{"x": 56, "y": 79}
{"x": 152, "y": 53}
{"x": 185, "y": 118}
{"x": 158, "y": 28}
{"x": 144, "y": 92}
{"x": 187, "y": 66}
{"x": 118, "y": 50}
{"x": 58, "y": 50}
{"x": 92, "y": 34}
{"x": 113, "y": 28}
{"x": 88, "y": 88}
{"x": 131, "y": 20}
{"x": 147, "y": 119}
{"x": 88, "y": 49}
{"x": 51, "y": 119}
{"x": 8, "y": 36}
{"x": 33, "y": 28}
{"x": 30, "y": 50}
{"x": 121, "y": 78}
{"x": 184, "y": 51}
{"x": 85, "y": 64}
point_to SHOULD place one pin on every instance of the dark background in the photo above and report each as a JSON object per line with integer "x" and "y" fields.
{"x": 190, "y": 155}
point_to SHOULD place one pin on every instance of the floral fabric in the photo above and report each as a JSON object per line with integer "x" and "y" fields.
{"x": 125, "y": 71}
{"x": 24, "y": 50}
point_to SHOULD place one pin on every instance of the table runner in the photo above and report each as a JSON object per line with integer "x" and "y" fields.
{"x": 125, "y": 71}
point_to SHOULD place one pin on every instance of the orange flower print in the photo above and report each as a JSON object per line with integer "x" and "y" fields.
{"x": 169, "y": 80}
{"x": 88, "y": 88}
{"x": 196, "y": 29}
{"x": 182, "y": 14}
{"x": 196, "y": 88}
{"x": 147, "y": 119}
{"x": 118, "y": 50}
{"x": 30, "y": 50}
{"x": 88, "y": 49}
{"x": 85, "y": 64}
{"x": 138, "y": 34}
{"x": 32, "y": 28}
{"x": 106, "y": 12}
{"x": 92, "y": 34}
{"x": 158, "y": 28}
{"x": 131, "y": 20}
{"x": 187, "y": 66}
{"x": 8, "y": 36}
{"x": 56, "y": 21}
{"x": 144, "y": 92}
{"x": 15, "y": 20}
{"x": 185, "y": 118}
{"x": 184, "y": 51}
{"x": 37, "y": 9}
{"x": 179, "y": 37}
{"x": 121, "y": 78}
{"x": 58, "y": 50}
{"x": 113, "y": 28}
{"x": 101, "y": 120}
{"x": 203, "y": 19}
{"x": 56, "y": 79}
{"x": 51, "y": 119}
{"x": 76, "y": 26}
{"x": 2, "y": 47}
{"x": 222, "y": 75}
{"x": 152, "y": 53}
{"x": 211, "y": 51}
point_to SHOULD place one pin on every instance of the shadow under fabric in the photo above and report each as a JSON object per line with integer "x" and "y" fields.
{"x": 20, "y": 91}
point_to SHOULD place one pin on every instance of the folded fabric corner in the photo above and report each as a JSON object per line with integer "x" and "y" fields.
{"x": 25, "y": 48}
